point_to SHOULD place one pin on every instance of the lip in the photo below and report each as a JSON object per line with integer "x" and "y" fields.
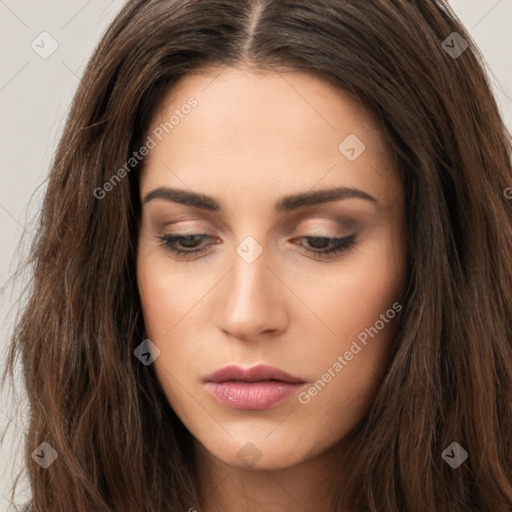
{"x": 256, "y": 388}
{"x": 253, "y": 374}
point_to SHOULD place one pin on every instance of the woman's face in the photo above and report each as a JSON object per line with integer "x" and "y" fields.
{"x": 259, "y": 172}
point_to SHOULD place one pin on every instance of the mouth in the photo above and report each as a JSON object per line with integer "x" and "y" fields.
{"x": 255, "y": 388}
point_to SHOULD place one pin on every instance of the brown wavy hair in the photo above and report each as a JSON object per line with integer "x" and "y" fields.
{"x": 120, "y": 445}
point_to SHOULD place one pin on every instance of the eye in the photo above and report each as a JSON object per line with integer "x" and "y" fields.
{"x": 187, "y": 245}
{"x": 326, "y": 246}
{"x": 188, "y": 241}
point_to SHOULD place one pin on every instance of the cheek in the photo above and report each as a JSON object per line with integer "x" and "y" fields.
{"x": 350, "y": 295}
{"x": 165, "y": 302}
{"x": 174, "y": 315}
{"x": 165, "y": 297}
{"x": 361, "y": 311}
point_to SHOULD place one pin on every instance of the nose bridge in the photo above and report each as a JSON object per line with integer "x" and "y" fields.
{"x": 250, "y": 301}
{"x": 249, "y": 279}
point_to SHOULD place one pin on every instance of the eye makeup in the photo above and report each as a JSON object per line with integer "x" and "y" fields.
{"x": 186, "y": 246}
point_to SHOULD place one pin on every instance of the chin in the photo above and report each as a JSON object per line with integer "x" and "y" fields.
{"x": 260, "y": 453}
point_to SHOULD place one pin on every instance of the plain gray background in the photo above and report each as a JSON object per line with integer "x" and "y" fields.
{"x": 35, "y": 93}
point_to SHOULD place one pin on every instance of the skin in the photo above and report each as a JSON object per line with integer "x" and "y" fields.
{"x": 253, "y": 138}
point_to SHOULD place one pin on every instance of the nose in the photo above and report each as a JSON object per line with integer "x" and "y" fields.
{"x": 251, "y": 300}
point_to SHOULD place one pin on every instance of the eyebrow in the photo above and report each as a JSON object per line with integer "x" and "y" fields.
{"x": 285, "y": 204}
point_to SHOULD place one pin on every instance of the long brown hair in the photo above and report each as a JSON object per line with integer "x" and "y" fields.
{"x": 120, "y": 446}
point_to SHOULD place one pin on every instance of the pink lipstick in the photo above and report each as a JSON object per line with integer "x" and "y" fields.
{"x": 258, "y": 387}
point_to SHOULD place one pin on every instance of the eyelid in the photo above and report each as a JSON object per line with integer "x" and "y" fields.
{"x": 309, "y": 227}
{"x": 338, "y": 245}
{"x": 302, "y": 222}
{"x": 335, "y": 228}
{"x": 320, "y": 212}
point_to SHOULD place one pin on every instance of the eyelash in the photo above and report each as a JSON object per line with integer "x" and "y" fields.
{"x": 340, "y": 245}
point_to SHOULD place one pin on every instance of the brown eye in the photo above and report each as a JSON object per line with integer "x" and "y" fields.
{"x": 188, "y": 243}
{"x": 320, "y": 245}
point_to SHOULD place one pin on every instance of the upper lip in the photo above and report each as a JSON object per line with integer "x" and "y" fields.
{"x": 256, "y": 373}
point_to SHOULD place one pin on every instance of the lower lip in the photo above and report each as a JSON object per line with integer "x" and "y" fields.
{"x": 252, "y": 395}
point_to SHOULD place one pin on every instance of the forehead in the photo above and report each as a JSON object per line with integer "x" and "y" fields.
{"x": 267, "y": 130}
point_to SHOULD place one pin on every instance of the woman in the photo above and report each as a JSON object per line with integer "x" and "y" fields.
{"x": 273, "y": 270}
